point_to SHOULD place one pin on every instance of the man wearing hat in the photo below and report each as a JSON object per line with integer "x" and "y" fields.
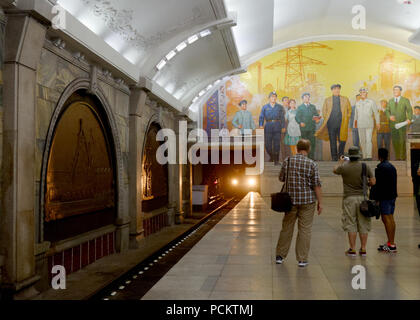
{"x": 365, "y": 111}
{"x": 399, "y": 110}
{"x": 336, "y": 112}
{"x": 272, "y": 114}
{"x": 306, "y": 117}
{"x": 353, "y": 221}
{"x": 243, "y": 119}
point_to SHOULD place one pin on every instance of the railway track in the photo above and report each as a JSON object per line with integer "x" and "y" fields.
{"x": 134, "y": 284}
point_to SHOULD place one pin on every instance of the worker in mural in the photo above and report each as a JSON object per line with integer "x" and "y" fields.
{"x": 415, "y": 125}
{"x": 307, "y": 116}
{"x": 272, "y": 119}
{"x": 336, "y": 112}
{"x": 243, "y": 119}
{"x": 366, "y": 111}
{"x": 285, "y": 151}
{"x": 400, "y": 113}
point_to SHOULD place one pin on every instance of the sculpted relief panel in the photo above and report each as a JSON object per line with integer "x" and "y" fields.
{"x": 80, "y": 176}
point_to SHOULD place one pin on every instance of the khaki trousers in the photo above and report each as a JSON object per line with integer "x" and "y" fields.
{"x": 304, "y": 214}
{"x": 365, "y": 138}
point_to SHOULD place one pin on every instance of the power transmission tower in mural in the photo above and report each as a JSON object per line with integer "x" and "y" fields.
{"x": 295, "y": 62}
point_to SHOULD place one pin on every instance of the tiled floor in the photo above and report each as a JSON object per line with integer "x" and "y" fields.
{"x": 235, "y": 260}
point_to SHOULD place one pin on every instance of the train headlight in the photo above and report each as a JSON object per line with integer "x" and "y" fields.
{"x": 252, "y": 182}
{"x": 235, "y": 182}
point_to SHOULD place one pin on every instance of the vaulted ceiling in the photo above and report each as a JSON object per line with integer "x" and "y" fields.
{"x": 180, "y": 48}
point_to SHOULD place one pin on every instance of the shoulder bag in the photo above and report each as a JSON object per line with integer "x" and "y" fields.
{"x": 368, "y": 208}
{"x": 281, "y": 201}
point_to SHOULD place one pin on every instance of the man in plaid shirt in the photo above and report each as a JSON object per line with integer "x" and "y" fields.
{"x": 304, "y": 187}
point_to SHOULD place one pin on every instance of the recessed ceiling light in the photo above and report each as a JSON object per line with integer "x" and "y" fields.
{"x": 192, "y": 39}
{"x": 205, "y": 33}
{"x": 161, "y": 64}
{"x": 170, "y": 55}
{"x": 195, "y": 99}
{"x": 217, "y": 82}
{"x": 181, "y": 46}
{"x": 201, "y": 93}
{"x": 209, "y": 87}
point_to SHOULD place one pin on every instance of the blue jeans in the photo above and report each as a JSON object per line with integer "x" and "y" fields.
{"x": 384, "y": 141}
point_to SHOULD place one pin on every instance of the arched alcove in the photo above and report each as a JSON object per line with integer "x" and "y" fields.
{"x": 80, "y": 189}
{"x": 155, "y": 175}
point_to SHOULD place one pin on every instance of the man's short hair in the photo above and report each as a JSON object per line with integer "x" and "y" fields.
{"x": 417, "y": 107}
{"x": 284, "y": 98}
{"x": 383, "y": 153}
{"x": 399, "y": 87}
{"x": 243, "y": 102}
{"x": 303, "y": 145}
{"x": 335, "y": 86}
{"x": 306, "y": 94}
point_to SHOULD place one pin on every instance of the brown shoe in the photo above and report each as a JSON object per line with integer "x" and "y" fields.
{"x": 362, "y": 253}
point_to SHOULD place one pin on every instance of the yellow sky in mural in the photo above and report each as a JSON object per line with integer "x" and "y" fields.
{"x": 350, "y": 63}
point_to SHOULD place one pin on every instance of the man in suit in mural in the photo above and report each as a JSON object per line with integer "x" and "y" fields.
{"x": 399, "y": 110}
{"x": 336, "y": 112}
{"x": 306, "y": 116}
{"x": 272, "y": 115}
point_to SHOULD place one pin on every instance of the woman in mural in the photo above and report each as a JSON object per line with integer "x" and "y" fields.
{"x": 293, "y": 130}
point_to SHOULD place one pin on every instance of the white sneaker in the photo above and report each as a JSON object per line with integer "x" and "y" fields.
{"x": 303, "y": 264}
{"x": 279, "y": 260}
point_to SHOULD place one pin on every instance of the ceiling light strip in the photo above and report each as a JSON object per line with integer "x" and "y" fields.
{"x": 182, "y": 46}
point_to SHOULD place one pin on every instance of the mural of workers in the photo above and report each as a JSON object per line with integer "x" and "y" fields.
{"x": 354, "y": 131}
{"x": 307, "y": 116}
{"x": 336, "y": 112}
{"x": 399, "y": 111}
{"x": 272, "y": 118}
{"x": 293, "y": 130}
{"x": 415, "y": 125}
{"x": 243, "y": 119}
{"x": 365, "y": 112}
{"x": 384, "y": 131}
{"x": 285, "y": 151}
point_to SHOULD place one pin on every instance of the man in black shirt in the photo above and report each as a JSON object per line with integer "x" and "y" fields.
{"x": 385, "y": 192}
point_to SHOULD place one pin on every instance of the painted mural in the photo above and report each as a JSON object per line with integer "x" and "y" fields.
{"x": 322, "y": 81}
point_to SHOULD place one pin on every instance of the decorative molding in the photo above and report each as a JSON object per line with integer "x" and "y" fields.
{"x": 93, "y": 80}
{"x": 84, "y": 65}
{"x": 59, "y": 43}
{"x": 121, "y": 21}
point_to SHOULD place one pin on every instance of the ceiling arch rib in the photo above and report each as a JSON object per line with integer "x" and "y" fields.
{"x": 172, "y": 45}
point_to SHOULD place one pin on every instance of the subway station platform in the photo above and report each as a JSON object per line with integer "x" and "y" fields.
{"x": 235, "y": 260}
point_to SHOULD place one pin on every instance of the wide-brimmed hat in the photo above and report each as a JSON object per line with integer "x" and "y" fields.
{"x": 354, "y": 152}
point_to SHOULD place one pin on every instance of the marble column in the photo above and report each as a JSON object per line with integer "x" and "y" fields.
{"x": 175, "y": 180}
{"x": 136, "y": 140}
{"x": 24, "y": 39}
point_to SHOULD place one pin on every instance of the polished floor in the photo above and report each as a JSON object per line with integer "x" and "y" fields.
{"x": 235, "y": 260}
